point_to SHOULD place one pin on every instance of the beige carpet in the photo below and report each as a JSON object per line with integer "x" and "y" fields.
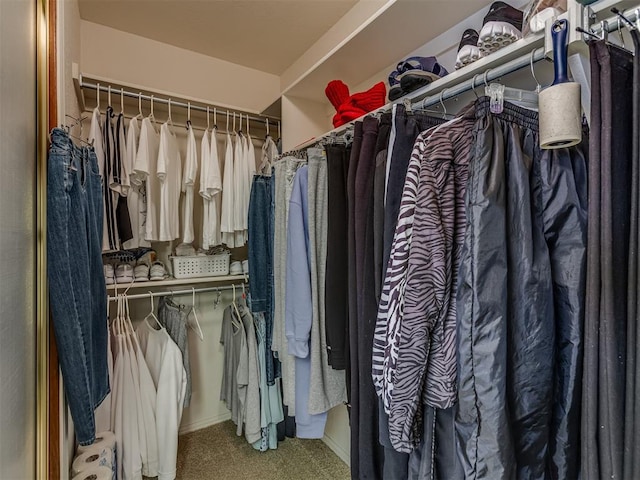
{"x": 217, "y": 453}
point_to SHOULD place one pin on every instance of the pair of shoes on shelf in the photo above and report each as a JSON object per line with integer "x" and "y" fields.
{"x": 501, "y": 27}
{"x": 239, "y": 268}
{"x": 121, "y": 274}
{"x": 412, "y": 74}
{"x": 157, "y": 271}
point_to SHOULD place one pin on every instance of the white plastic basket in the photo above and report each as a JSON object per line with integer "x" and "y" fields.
{"x": 201, "y": 266}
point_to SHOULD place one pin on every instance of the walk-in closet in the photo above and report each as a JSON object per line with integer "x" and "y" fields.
{"x": 320, "y": 239}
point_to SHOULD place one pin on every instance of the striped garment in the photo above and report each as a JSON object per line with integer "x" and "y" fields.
{"x": 390, "y": 307}
{"x": 425, "y": 368}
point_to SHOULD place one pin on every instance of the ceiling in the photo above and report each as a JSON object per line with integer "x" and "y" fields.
{"x": 268, "y": 35}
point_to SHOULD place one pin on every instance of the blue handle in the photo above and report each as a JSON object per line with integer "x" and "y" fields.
{"x": 559, "y": 34}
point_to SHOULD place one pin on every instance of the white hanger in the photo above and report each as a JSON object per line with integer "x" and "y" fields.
{"x": 109, "y": 96}
{"x": 195, "y": 328}
{"x": 217, "y": 300}
{"x": 189, "y": 115}
{"x": 98, "y": 96}
{"x": 122, "y": 101}
{"x": 208, "y": 126}
{"x": 235, "y": 307}
{"x": 152, "y": 315}
{"x": 151, "y": 115}
{"x": 140, "y": 116}
{"x": 169, "y": 120}
{"x": 215, "y": 118}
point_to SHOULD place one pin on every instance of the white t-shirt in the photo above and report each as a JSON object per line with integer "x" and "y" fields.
{"x": 169, "y": 172}
{"x": 188, "y": 185}
{"x": 137, "y": 193}
{"x": 145, "y": 169}
{"x": 164, "y": 360}
{"x": 227, "y": 214}
{"x": 211, "y": 186}
{"x": 239, "y": 179}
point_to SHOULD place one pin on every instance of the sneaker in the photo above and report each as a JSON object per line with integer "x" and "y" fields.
{"x": 540, "y": 12}
{"x": 468, "y": 51}
{"x": 245, "y": 267}
{"x": 124, "y": 273}
{"x": 501, "y": 27}
{"x": 109, "y": 274}
{"x": 141, "y": 272}
{"x": 157, "y": 271}
{"x": 236, "y": 268}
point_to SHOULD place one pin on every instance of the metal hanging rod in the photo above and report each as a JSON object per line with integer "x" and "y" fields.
{"x": 180, "y": 292}
{"x": 421, "y": 97}
{"x": 614, "y": 22}
{"x": 174, "y": 103}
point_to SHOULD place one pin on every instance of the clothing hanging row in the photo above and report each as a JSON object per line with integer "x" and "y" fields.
{"x": 99, "y": 87}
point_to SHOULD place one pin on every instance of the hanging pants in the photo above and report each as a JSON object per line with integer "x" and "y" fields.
{"x": 77, "y": 291}
{"x": 520, "y": 305}
{"x": 603, "y": 423}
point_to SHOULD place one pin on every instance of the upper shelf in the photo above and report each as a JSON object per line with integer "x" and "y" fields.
{"x": 401, "y": 28}
{"x": 175, "y": 282}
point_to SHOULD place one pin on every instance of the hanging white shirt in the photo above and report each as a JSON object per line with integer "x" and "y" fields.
{"x": 205, "y": 152}
{"x": 145, "y": 169}
{"x": 214, "y": 187}
{"x": 238, "y": 191}
{"x": 136, "y": 195}
{"x": 188, "y": 186}
{"x": 227, "y": 225}
{"x": 164, "y": 360}
{"x": 169, "y": 173}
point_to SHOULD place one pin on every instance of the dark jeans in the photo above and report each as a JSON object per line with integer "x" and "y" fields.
{"x": 336, "y": 299}
{"x": 407, "y": 127}
{"x": 603, "y": 425}
{"x": 520, "y": 303}
{"x": 260, "y": 252}
{"x": 77, "y": 292}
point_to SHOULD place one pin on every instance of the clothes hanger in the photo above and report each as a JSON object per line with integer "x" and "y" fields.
{"x": 215, "y": 118}
{"x": 208, "y": 126}
{"x": 189, "y": 116}
{"x": 98, "y": 96}
{"x": 498, "y": 93}
{"x": 151, "y": 115}
{"x": 76, "y": 121}
{"x": 235, "y": 307}
{"x": 151, "y": 314}
{"x": 139, "y": 116}
{"x": 122, "y": 101}
{"x": 169, "y": 119}
{"x": 217, "y": 300}
{"x": 266, "y": 122}
{"x": 195, "y": 328}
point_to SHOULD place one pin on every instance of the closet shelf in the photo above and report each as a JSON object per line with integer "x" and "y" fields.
{"x": 174, "y": 282}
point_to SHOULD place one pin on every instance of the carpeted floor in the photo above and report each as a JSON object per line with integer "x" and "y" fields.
{"x": 217, "y": 453}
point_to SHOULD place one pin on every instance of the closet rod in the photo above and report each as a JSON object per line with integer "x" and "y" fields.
{"x": 611, "y": 23}
{"x": 174, "y": 103}
{"x": 420, "y": 97}
{"x": 181, "y": 292}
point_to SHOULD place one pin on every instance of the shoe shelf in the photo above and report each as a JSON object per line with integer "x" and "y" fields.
{"x": 175, "y": 282}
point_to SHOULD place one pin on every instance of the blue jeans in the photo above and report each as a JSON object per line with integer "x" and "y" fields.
{"x": 77, "y": 293}
{"x": 260, "y": 247}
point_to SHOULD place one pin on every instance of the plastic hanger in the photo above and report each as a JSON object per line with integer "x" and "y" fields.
{"x": 122, "y": 101}
{"x": 151, "y": 314}
{"x": 498, "y": 93}
{"x": 169, "y": 119}
{"x": 217, "y": 300}
{"x": 139, "y": 116}
{"x": 208, "y": 126}
{"x": 235, "y": 307}
{"x": 195, "y": 328}
{"x": 108, "y": 95}
{"x": 266, "y": 123}
{"x": 215, "y": 118}
{"x": 98, "y": 96}
{"x": 151, "y": 115}
{"x": 189, "y": 116}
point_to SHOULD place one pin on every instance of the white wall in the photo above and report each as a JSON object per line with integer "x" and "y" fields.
{"x": 132, "y": 59}
{"x": 302, "y": 120}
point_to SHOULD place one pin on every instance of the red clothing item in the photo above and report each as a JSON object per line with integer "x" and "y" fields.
{"x": 356, "y": 105}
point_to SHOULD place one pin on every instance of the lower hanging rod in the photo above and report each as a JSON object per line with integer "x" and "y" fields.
{"x": 238, "y": 288}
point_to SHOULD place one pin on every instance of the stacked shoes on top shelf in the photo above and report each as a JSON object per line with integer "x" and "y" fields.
{"x": 501, "y": 27}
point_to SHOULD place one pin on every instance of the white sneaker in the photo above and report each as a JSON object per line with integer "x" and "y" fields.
{"x": 124, "y": 273}
{"x": 109, "y": 274}
{"x": 236, "y": 268}
{"x": 141, "y": 272}
{"x": 157, "y": 271}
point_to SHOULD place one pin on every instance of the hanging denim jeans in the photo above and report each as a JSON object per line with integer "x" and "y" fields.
{"x": 260, "y": 246}
{"x": 77, "y": 292}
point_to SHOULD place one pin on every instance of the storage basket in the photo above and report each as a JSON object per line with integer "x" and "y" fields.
{"x": 201, "y": 266}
